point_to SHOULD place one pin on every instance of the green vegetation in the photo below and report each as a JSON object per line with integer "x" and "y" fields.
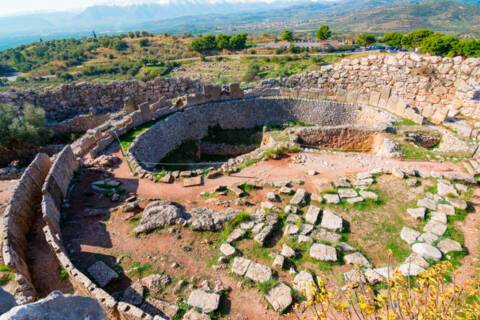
{"x": 232, "y": 224}
{"x": 222, "y": 41}
{"x": 434, "y": 43}
{"x": 324, "y": 32}
{"x": 6, "y": 275}
{"x": 266, "y": 286}
{"x": 287, "y": 35}
{"x": 139, "y": 270}
{"x": 62, "y": 273}
{"x": 127, "y": 139}
{"x": 22, "y": 128}
{"x": 365, "y": 39}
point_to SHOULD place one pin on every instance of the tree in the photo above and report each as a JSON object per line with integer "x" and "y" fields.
{"x": 286, "y": 35}
{"x": 393, "y": 39}
{"x": 144, "y": 42}
{"x": 324, "y": 32}
{"x": 222, "y": 41}
{"x": 414, "y": 39}
{"x": 468, "y": 48}
{"x": 238, "y": 41}
{"x": 121, "y": 45}
{"x": 22, "y": 128}
{"x": 366, "y": 39}
{"x": 252, "y": 72}
{"x": 204, "y": 43}
{"x": 439, "y": 44}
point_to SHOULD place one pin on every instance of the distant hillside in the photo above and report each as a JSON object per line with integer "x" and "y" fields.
{"x": 459, "y": 16}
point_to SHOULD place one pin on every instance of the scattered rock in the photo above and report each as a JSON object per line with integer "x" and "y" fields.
{"x": 159, "y": 214}
{"x": 354, "y": 276}
{"x": 203, "y": 300}
{"x": 347, "y": 193}
{"x": 427, "y": 203}
{"x": 410, "y": 269}
{"x": 227, "y": 249}
{"x": 325, "y": 235}
{"x": 357, "y": 258}
{"x": 102, "y": 274}
{"x": 435, "y": 227}
{"x": 418, "y": 260}
{"x": 449, "y": 245}
{"x": 280, "y": 297}
{"x": 409, "y": 235}
{"x": 323, "y": 252}
{"x": 458, "y": 203}
{"x": 134, "y": 294}
{"x": 192, "y": 314}
{"x": 279, "y": 261}
{"x": 428, "y": 237}
{"x": 155, "y": 282}
{"x": 302, "y": 281}
{"x": 331, "y": 221}
{"x": 331, "y": 198}
{"x": 258, "y": 272}
{"x": 312, "y": 215}
{"x": 427, "y": 251}
{"x": 417, "y": 213}
{"x": 240, "y": 265}
{"x": 287, "y": 251}
{"x": 299, "y": 198}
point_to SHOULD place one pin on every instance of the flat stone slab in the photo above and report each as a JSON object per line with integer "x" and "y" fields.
{"x": 302, "y": 281}
{"x": 355, "y": 200}
{"x": 435, "y": 227}
{"x": 193, "y": 182}
{"x": 347, "y": 193}
{"x": 287, "y": 251}
{"x": 369, "y": 195}
{"x": 258, "y": 272}
{"x": 203, "y": 300}
{"x": 439, "y": 216}
{"x": 240, "y": 265}
{"x": 427, "y": 251}
{"x": 418, "y": 260}
{"x": 449, "y": 245}
{"x": 236, "y": 234}
{"x": 264, "y": 234}
{"x": 417, "y": 213}
{"x": 325, "y": 235}
{"x": 299, "y": 198}
{"x": 102, "y": 274}
{"x": 448, "y": 209}
{"x": 312, "y": 214}
{"x": 409, "y": 235}
{"x": 227, "y": 249}
{"x": 192, "y": 314}
{"x": 427, "y": 203}
{"x": 331, "y": 198}
{"x": 357, "y": 258}
{"x": 323, "y": 252}
{"x": 379, "y": 274}
{"x": 446, "y": 189}
{"x": 458, "y": 203}
{"x": 291, "y": 229}
{"x": 331, "y": 221}
{"x": 410, "y": 269}
{"x": 428, "y": 237}
{"x": 304, "y": 239}
{"x": 354, "y": 276}
{"x": 306, "y": 229}
{"x": 279, "y": 261}
{"x": 280, "y": 297}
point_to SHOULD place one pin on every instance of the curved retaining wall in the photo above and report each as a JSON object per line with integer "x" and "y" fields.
{"x": 193, "y": 122}
{"x": 17, "y": 221}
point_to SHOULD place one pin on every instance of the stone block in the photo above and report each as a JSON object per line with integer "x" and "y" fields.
{"x": 374, "y": 98}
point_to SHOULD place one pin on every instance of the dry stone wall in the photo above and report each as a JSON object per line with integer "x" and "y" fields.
{"x": 82, "y": 98}
{"x": 192, "y": 123}
{"x": 437, "y": 87}
{"x": 18, "y": 218}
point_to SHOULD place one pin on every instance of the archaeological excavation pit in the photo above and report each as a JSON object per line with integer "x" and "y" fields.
{"x": 191, "y": 135}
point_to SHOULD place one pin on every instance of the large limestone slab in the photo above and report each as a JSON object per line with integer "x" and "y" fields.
{"x": 101, "y": 273}
{"x": 312, "y": 214}
{"x": 240, "y": 266}
{"x": 331, "y": 221}
{"x": 280, "y": 297}
{"x": 427, "y": 251}
{"x": 409, "y": 235}
{"x": 203, "y": 300}
{"x": 357, "y": 258}
{"x": 302, "y": 281}
{"x": 435, "y": 227}
{"x": 323, "y": 252}
{"x": 299, "y": 198}
{"x": 258, "y": 272}
{"x": 449, "y": 245}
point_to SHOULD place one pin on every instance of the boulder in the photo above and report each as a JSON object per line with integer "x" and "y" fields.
{"x": 299, "y": 198}
{"x": 409, "y": 235}
{"x": 159, "y": 214}
{"x": 418, "y": 260}
{"x": 354, "y": 275}
{"x": 458, "y": 203}
{"x": 57, "y": 306}
{"x": 427, "y": 251}
{"x": 101, "y": 273}
{"x": 280, "y": 297}
{"x": 439, "y": 216}
{"x": 427, "y": 203}
{"x": 240, "y": 265}
{"x": 446, "y": 189}
{"x": 205, "y": 301}
{"x": 323, "y": 252}
{"x": 435, "y": 227}
{"x": 449, "y": 245}
{"x": 227, "y": 249}
{"x": 448, "y": 209}
{"x": 205, "y": 219}
{"x": 7, "y": 301}
{"x": 302, "y": 281}
{"x": 258, "y": 272}
{"x": 279, "y": 261}
{"x": 287, "y": 251}
{"x": 357, "y": 258}
{"x": 428, "y": 237}
{"x": 331, "y": 221}
{"x": 312, "y": 214}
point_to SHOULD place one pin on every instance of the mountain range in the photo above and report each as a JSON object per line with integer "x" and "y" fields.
{"x": 198, "y": 16}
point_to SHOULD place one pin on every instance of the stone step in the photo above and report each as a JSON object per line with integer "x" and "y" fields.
{"x": 475, "y": 165}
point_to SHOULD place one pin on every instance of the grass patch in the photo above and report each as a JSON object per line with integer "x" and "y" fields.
{"x": 265, "y": 286}
{"x": 127, "y": 139}
{"x": 139, "y": 270}
{"x": 232, "y": 224}
{"x": 62, "y": 273}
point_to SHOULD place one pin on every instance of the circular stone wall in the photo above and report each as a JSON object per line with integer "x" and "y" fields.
{"x": 192, "y": 123}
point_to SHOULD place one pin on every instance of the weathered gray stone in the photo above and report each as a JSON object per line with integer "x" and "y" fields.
{"x": 418, "y": 260}
{"x": 358, "y": 259}
{"x": 410, "y": 269}
{"x": 299, "y": 198}
{"x": 325, "y": 235}
{"x": 227, "y": 249}
{"x": 57, "y": 306}
{"x": 258, "y": 272}
{"x": 458, "y": 203}
{"x": 439, "y": 216}
{"x": 355, "y": 276}
{"x": 302, "y": 281}
{"x": 417, "y": 213}
{"x": 446, "y": 189}
{"x": 427, "y": 203}
{"x": 205, "y": 301}
{"x": 236, "y": 234}
{"x": 446, "y": 208}
{"x": 323, "y": 252}
{"x": 449, "y": 245}
{"x": 427, "y": 251}
{"x": 192, "y": 314}
{"x": 369, "y": 195}
{"x": 347, "y": 193}
{"x": 331, "y": 198}
{"x": 102, "y": 274}
{"x": 312, "y": 214}
{"x": 331, "y": 221}
{"x": 409, "y": 235}
{"x": 279, "y": 261}
{"x": 435, "y": 227}
{"x": 240, "y": 265}
{"x": 287, "y": 251}
{"x": 280, "y": 297}
{"x": 159, "y": 214}
{"x": 428, "y": 237}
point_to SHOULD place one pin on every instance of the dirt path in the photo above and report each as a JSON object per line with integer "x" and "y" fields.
{"x": 471, "y": 231}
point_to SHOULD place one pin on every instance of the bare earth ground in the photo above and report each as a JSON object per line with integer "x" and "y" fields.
{"x": 109, "y": 237}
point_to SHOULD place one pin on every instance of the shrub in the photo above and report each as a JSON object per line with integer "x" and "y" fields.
{"x": 22, "y": 128}
{"x": 393, "y": 39}
{"x": 204, "y": 43}
{"x": 324, "y": 32}
{"x": 286, "y": 35}
{"x": 366, "y": 39}
{"x": 144, "y": 42}
{"x": 415, "y": 38}
{"x": 120, "y": 45}
{"x": 439, "y": 44}
{"x": 252, "y": 72}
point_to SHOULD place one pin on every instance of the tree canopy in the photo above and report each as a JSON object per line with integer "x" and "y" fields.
{"x": 324, "y": 32}
{"x": 286, "y": 35}
{"x": 366, "y": 39}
